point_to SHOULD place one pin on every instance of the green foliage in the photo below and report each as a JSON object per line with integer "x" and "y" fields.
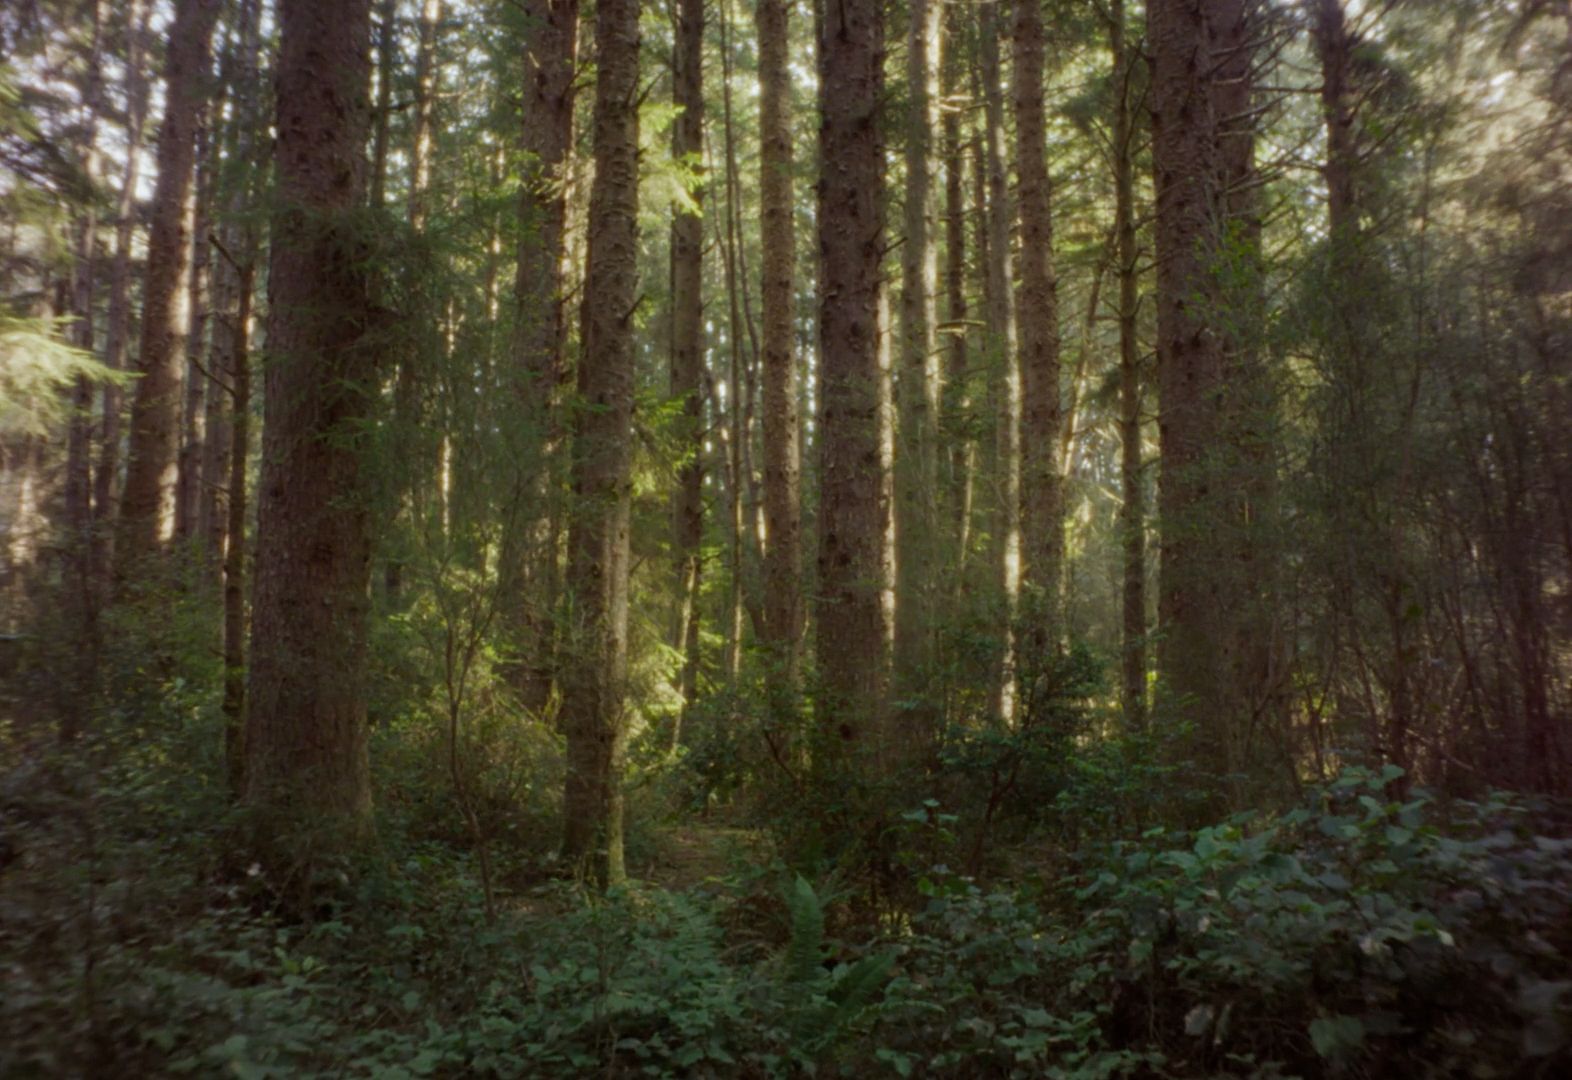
{"x": 35, "y": 367}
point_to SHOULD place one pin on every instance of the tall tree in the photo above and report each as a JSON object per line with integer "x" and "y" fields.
{"x": 530, "y": 562}
{"x": 117, "y": 330}
{"x": 916, "y": 464}
{"x": 595, "y": 668}
{"x": 957, "y": 397}
{"x": 852, "y": 627}
{"x": 1004, "y": 382}
{"x": 1132, "y": 486}
{"x": 1202, "y": 150}
{"x": 687, "y": 343}
{"x": 1037, "y": 313}
{"x": 147, "y": 505}
{"x": 305, "y": 742}
{"x": 783, "y": 617}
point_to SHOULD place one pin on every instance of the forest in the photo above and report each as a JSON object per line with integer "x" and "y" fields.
{"x": 784, "y": 538}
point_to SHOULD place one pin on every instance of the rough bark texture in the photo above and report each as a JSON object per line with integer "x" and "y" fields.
{"x": 1037, "y": 311}
{"x": 687, "y": 345}
{"x": 1004, "y": 381}
{"x": 1132, "y": 511}
{"x": 852, "y": 623}
{"x": 916, "y": 464}
{"x": 305, "y": 753}
{"x": 550, "y": 55}
{"x": 595, "y": 668}
{"x": 783, "y": 608}
{"x": 1201, "y": 154}
{"x": 147, "y": 505}
{"x": 1189, "y": 359}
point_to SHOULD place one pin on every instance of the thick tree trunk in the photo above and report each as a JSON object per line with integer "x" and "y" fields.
{"x": 1004, "y": 377}
{"x": 596, "y": 666}
{"x": 1132, "y": 510}
{"x": 1201, "y": 156}
{"x": 530, "y": 560}
{"x": 687, "y": 348}
{"x": 305, "y": 753}
{"x": 853, "y": 632}
{"x": 1037, "y": 313}
{"x": 147, "y": 505}
{"x": 783, "y": 618}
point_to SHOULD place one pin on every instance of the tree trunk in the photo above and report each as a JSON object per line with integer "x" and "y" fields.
{"x": 687, "y": 348}
{"x": 1004, "y": 377}
{"x": 147, "y": 506}
{"x": 239, "y": 375}
{"x": 118, "y": 325}
{"x": 1132, "y": 510}
{"x": 193, "y": 430}
{"x": 956, "y": 421}
{"x": 596, "y": 665}
{"x": 305, "y": 729}
{"x": 852, "y": 627}
{"x": 530, "y": 561}
{"x": 1199, "y": 599}
{"x": 916, "y": 465}
{"x": 1037, "y": 311}
{"x": 783, "y": 617}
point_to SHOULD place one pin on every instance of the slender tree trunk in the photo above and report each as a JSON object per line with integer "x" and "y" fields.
{"x": 956, "y": 420}
{"x": 738, "y": 408}
{"x": 687, "y": 348}
{"x": 147, "y": 506}
{"x": 193, "y": 431}
{"x": 596, "y": 667}
{"x": 916, "y": 465}
{"x": 387, "y": 41}
{"x": 783, "y": 618}
{"x": 80, "y": 593}
{"x": 852, "y": 628}
{"x": 305, "y": 734}
{"x": 1004, "y": 376}
{"x": 1132, "y": 510}
{"x": 530, "y": 559}
{"x": 239, "y": 374}
{"x": 1037, "y": 309}
{"x": 118, "y": 326}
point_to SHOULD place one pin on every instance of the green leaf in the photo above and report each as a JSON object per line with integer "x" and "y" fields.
{"x": 1335, "y": 1037}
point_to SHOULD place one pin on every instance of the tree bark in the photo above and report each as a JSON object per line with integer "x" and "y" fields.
{"x": 530, "y": 559}
{"x": 118, "y": 324}
{"x": 1132, "y": 510}
{"x": 916, "y": 465}
{"x": 193, "y": 428}
{"x": 1004, "y": 376}
{"x": 1037, "y": 310}
{"x": 306, "y": 753}
{"x": 956, "y": 419}
{"x": 853, "y": 631}
{"x": 147, "y": 505}
{"x": 687, "y": 348}
{"x": 596, "y": 666}
{"x": 783, "y": 618}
